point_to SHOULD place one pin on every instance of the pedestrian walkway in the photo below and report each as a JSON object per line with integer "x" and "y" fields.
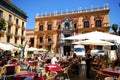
{"x": 82, "y": 71}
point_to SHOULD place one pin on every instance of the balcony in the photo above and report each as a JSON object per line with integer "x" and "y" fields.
{"x": 2, "y": 32}
{"x": 10, "y": 23}
{"x": 23, "y": 27}
{"x": 40, "y": 43}
{"x": 50, "y": 42}
{"x": 64, "y": 42}
{"x": 84, "y": 30}
{"x": 23, "y": 36}
{"x": 9, "y": 33}
{"x": 17, "y": 25}
{"x": 66, "y": 31}
{"x": 17, "y": 36}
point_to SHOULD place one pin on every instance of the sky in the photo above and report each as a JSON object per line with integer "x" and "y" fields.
{"x": 33, "y": 7}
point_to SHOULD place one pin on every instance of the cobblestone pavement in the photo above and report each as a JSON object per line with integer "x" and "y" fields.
{"x": 82, "y": 73}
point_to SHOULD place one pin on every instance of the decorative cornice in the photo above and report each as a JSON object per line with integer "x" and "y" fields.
{"x": 79, "y": 11}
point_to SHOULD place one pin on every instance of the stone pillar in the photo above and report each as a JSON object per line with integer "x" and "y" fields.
{"x": 80, "y": 22}
{"x": 35, "y": 40}
{"x": 37, "y": 26}
{"x": 54, "y": 25}
{"x": 106, "y": 20}
{"x": 92, "y": 22}
{"x": 45, "y": 25}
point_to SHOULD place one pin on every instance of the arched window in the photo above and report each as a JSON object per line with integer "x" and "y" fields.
{"x": 86, "y": 24}
{"x": 98, "y": 23}
{"x": 67, "y": 25}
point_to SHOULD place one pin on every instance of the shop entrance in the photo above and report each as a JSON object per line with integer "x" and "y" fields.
{"x": 67, "y": 50}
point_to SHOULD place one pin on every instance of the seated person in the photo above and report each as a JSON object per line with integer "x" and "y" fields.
{"x": 100, "y": 61}
{"x": 116, "y": 62}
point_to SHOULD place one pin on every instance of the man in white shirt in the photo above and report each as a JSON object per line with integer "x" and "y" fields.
{"x": 54, "y": 60}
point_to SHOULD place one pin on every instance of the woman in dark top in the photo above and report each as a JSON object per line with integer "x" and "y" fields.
{"x": 88, "y": 65}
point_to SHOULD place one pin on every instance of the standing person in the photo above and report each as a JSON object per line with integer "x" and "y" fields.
{"x": 54, "y": 60}
{"x": 88, "y": 60}
{"x": 75, "y": 65}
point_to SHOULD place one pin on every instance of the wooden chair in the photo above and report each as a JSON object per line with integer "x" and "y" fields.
{"x": 94, "y": 72}
{"x": 9, "y": 74}
{"x": 60, "y": 75}
{"x": 102, "y": 76}
{"x": 66, "y": 70}
{"x": 53, "y": 75}
{"x": 108, "y": 78}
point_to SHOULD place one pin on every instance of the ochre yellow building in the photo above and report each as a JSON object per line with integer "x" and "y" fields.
{"x": 15, "y": 20}
{"x": 50, "y": 28}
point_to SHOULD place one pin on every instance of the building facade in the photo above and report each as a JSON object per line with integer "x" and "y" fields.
{"x": 15, "y": 20}
{"x": 30, "y": 37}
{"x": 50, "y": 28}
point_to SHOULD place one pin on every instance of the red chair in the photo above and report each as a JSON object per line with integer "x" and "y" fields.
{"x": 0, "y": 62}
{"x": 32, "y": 65}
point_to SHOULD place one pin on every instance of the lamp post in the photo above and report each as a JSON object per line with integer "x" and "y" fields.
{"x": 116, "y": 32}
{"x": 115, "y": 29}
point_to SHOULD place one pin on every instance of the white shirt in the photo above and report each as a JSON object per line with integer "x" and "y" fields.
{"x": 54, "y": 60}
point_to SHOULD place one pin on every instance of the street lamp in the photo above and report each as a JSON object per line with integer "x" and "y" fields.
{"x": 115, "y": 29}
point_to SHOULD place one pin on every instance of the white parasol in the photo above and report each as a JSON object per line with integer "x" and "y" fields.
{"x": 94, "y": 35}
{"x": 42, "y": 50}
{"x": 93, "y": 42}
{"x": 32, "y": 49}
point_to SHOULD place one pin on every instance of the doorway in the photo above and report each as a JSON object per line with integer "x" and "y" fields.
{"x": 67, "y": 50}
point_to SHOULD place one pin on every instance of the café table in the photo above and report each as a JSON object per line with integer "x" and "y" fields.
{"x": 27, "y": 59}
{"x": 7, "y": 65}
{"x": 23, "y": 75}
{"x": 33, "y": 63}
{"x": 53, "y": 67}
{"x": 110, "y": 71}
